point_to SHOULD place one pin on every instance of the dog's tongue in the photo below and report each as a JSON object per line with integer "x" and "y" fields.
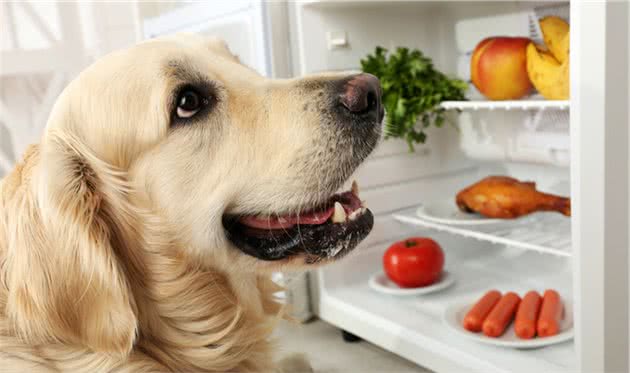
{"x": 283, "y": 222}
{"x": 343, "y": 206}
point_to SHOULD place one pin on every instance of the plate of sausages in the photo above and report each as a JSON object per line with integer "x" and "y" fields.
{"x": 508, "y": 320}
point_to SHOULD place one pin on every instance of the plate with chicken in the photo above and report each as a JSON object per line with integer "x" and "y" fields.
{"x": 493, "y": 200}
{"x": 446, "y": 212}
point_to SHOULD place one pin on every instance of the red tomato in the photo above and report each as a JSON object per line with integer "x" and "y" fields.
{"x": 414, "y": 262}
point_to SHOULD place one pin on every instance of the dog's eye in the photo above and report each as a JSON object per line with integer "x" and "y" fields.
{"x": 189, "y": 102}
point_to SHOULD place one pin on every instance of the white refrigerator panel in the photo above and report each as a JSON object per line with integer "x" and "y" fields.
{"x": 241, "y": 23}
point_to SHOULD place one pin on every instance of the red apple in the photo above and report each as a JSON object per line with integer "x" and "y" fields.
{"x": 498, "y": 68}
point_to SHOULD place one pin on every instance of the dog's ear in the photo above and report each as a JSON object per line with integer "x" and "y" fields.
{"x": 68, "y": 281}
{"x": 219, "y": 46}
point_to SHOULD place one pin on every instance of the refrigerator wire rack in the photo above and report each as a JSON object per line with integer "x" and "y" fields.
{"x": 547, "y": 233}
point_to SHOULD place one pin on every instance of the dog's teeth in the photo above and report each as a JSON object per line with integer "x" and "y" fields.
{"x": 356, "y": 213}
{"x": 355, "y": 188}
{"x": 282, "y": 220}
{"x": 339, "y": 216}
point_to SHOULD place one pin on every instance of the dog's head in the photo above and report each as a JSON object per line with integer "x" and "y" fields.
{"x": 174, "y": 145}
{"x": 243, "y": 169}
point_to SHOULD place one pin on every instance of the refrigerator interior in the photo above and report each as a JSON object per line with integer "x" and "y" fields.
{"x": 525, "y": 139}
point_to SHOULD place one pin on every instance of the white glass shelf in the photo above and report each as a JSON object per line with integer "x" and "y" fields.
{"x": 548, "y": 233}
{"x": 506, "y": 105}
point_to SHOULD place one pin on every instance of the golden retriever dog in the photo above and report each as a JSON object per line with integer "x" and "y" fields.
{"x": 140, "y": 234}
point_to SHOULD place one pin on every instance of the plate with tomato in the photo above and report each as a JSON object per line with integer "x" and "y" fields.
{"x": 381, "y": 283}
{"x": 412, "y": 266}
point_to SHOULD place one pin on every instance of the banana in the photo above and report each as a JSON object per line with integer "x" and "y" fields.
{"x": 548, "y": 69}
{"x": 547, "y": 74}
{"x": 555, "y": 31}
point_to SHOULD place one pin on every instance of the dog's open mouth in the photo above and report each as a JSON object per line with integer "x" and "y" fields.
{"x": 328, "y": 231}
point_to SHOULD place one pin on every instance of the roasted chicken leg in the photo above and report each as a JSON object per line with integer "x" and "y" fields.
{"x": 507, "y": 198}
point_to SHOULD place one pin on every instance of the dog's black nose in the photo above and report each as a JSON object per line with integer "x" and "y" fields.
{"x": 362, "y": 94}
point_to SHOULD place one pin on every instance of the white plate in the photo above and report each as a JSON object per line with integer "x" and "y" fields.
{"x": 381, "y": 283}
{"x": 454, "y": 315}
{"x": 447, "y": 212}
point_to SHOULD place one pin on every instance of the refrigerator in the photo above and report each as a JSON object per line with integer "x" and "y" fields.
{"x": 576, "y": 147}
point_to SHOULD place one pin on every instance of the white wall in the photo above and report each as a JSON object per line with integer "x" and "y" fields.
{"x": 151, "y": 9}
{"x": 73, "y": 35}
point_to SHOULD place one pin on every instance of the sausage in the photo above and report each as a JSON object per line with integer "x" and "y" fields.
{"x": 475, "y": 317}
{"x": 551, "y": 313}
{"x": 527, "y": 315}
{"x": 501, "y": 315}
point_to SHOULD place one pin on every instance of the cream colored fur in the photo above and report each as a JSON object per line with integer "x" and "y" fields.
{"x": 112, "y": 253}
